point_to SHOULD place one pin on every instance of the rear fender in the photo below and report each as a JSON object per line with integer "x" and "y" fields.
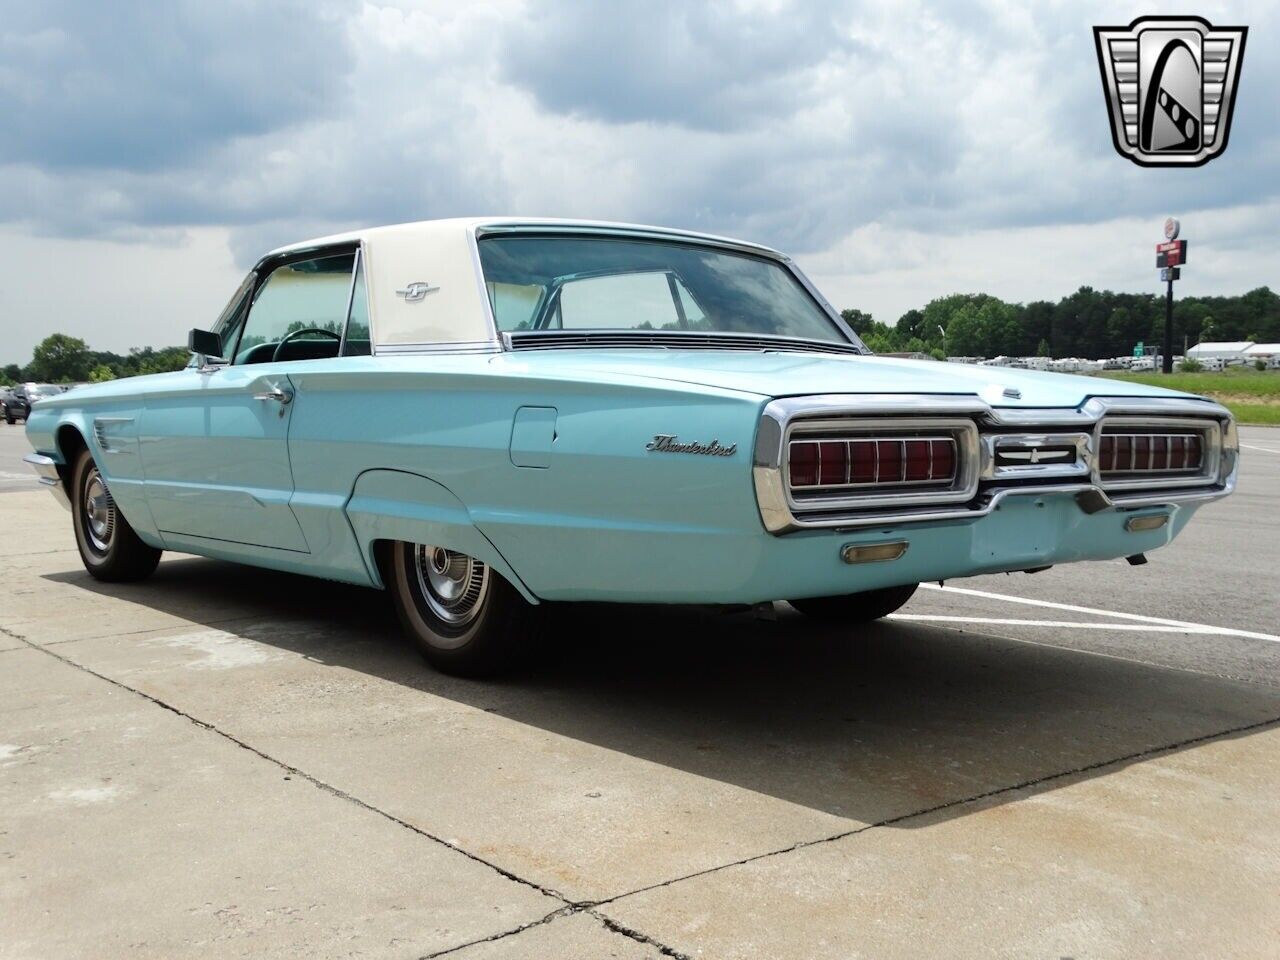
{"x": 396, "y": 505}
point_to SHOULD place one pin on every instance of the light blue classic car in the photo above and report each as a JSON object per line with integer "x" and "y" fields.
{"x": 485, "y": 415}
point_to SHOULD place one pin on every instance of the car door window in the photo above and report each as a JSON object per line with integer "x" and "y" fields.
{"x": 358, "y": 342}
{"x": 299, "y": 311}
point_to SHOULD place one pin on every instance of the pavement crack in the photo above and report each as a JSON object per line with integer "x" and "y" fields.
{"x": 637, "y": 936}
{"x": 958, "y": 802}
{"x": 564, "y": 911}
{"x": 294, "y": 771}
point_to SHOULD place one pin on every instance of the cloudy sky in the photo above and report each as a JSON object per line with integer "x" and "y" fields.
{"x": 149, "y": 152}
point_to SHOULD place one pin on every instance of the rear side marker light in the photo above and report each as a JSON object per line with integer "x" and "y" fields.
{"x": 1152, "y": 521}
{"x": 872, "y": 552}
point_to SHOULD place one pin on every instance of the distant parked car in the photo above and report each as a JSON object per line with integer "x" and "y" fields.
{"x": 18, "y": 405}
{"x": 5, "y": 394}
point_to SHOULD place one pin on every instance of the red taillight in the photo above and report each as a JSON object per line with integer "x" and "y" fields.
{"x": 919, "y": 461}
{"x": 862, "y": 461}
{"x": 804, "y": 464}
{"x": 944, "y": 458}
{"x": 1130, "y": 453}
{"x": 833, "y": 463}
{"x": 824, "y": 463}
{"x": 889, "y": 457}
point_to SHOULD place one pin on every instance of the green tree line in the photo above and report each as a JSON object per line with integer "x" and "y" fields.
{"x": 1088, "y": 323}
{"x": 59, "y": 358}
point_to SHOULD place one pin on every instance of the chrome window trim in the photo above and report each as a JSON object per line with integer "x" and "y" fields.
{"x": 351, "y": 299}
{"x": 616, "y": 232}
{"x": 780, "y": 514}
{"x": 491, "y": 319}
{"x": 453, "y": 346}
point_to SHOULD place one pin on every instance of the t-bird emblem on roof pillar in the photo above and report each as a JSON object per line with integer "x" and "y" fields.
{"x": 1170, "y": 84}
{"x": 416, "y": 291}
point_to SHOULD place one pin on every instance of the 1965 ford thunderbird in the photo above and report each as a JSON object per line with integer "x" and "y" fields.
{"x": 484, "y": 415}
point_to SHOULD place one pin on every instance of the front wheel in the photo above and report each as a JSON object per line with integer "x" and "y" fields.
{"x": 461, "y": 614}
{"x": 856, "y": 607}
{"x": 111, "y": 551}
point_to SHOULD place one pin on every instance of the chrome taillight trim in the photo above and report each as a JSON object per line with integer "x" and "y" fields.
{"x": 963, "y": 433}
{"x": 1149, "y": 469}
{"x": 1211, "y": 443}
{"x": 1081, "y": 426}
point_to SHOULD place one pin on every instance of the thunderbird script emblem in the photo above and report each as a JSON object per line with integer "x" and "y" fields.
{"x": 667, "y": 443}
{"x": 1170, "y": 84}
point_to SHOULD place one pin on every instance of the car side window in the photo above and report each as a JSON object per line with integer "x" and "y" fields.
{"x": 358, "y": 342}
{"x": 299, "y": 311}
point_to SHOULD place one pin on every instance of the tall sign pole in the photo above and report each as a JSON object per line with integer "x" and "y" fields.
{"x": 1170, "y": 256}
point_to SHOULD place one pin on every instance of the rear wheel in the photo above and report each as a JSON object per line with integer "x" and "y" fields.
{"x": 461, "y": 614}
{"x": 856, "y": 607}
{"x": 111, "y": 551}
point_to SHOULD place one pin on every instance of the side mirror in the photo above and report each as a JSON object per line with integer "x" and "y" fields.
{"x": 205, "y": 343}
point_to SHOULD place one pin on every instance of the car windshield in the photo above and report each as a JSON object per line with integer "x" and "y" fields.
{"x": 35, "y": 393}
{"x": 603, "y": 283}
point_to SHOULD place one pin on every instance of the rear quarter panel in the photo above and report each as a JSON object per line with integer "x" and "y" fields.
{"x": 606, "y": 518}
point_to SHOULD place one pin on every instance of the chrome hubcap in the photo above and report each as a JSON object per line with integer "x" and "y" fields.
{"x": 453, "y": 584}
{"x": 99, "y": 512}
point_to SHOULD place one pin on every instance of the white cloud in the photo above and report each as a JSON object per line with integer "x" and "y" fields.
{"x": 901, "y": 148}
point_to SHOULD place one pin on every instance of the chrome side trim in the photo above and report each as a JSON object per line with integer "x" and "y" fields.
{"x": 461, "y": 346}
{"x": 100, "y": 428}
{"x": 781, "y": 514}
{"x": 46, "y": 469}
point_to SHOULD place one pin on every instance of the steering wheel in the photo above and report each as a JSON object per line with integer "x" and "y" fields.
{"x": 297, "y": 333}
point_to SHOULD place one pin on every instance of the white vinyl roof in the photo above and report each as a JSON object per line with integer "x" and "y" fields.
{"x": 425, "y": 228}
{"x": 1263, "y": 350}
{"x": 442, "y": 254}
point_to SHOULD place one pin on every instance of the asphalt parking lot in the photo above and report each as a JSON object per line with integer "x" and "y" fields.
{"x": 224, "y": 761}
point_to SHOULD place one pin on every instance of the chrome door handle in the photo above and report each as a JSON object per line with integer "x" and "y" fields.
{"x": 279, "y": 394}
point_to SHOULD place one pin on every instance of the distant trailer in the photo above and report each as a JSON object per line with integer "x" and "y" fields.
{"x": 1226, "y": 350}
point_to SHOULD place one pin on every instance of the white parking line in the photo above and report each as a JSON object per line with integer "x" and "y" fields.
{"x": 1074, "y": 625}
{"x": 1250, "y": 446}
{"x": 1072, "y": 608}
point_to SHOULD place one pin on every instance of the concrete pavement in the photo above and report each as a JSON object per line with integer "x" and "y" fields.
{"x": 224, "y": 761}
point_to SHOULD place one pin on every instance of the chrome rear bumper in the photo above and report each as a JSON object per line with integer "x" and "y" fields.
{"x": 46, "y": 469}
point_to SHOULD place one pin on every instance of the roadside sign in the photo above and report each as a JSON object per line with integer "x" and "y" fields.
{"x": 1171, "y": 254}
{"x": 1138, "y": 349}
